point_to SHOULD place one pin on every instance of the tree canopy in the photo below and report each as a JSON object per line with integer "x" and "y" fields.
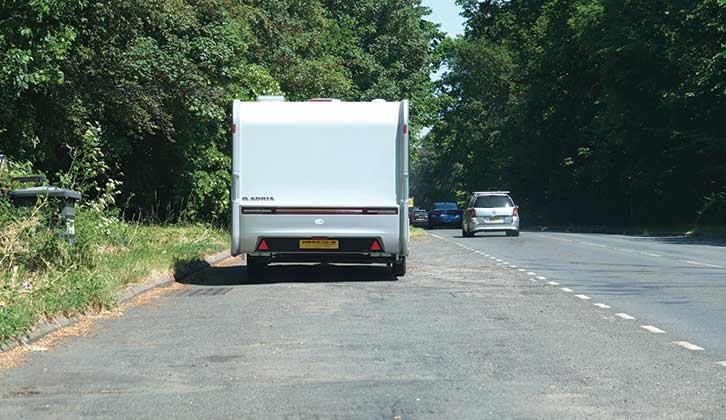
{"x": 590, "y": 111}
{"x": 155, "y": 79}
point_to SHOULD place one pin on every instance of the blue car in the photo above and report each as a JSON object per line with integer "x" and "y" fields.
{"x": 445, "y": 214}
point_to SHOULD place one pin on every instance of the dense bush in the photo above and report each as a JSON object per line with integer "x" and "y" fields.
{"x": 154, "y": 81}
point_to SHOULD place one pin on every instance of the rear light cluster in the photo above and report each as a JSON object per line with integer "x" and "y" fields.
{"x": 291, "y": 210}
{"x": 515, "y": 212}
{"x": 376, "y": 246}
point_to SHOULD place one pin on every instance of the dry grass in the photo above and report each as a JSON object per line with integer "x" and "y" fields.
{"x": 28, "y": 296}
{"x": 416, "y": 233}
{"x": 81, "y": 328}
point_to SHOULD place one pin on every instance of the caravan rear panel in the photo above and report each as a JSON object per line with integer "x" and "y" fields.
{"x": 317, "y": 172}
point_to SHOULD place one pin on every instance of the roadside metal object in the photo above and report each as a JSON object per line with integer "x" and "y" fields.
{"x": 28, "y": 197}
{"x": 64, "y": 199}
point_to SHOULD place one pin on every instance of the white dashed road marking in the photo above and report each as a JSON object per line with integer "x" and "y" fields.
{"x": 650, "y": 328}
{"x": 702, "y": 264}
{"x": 687, "y": 345}
{"x": 626, "y": 250}
{"x": 594, "y": 244}
{"x": 654, "y": 330}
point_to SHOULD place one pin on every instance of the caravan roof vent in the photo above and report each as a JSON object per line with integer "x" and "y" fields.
{"x": 270, "y": 98}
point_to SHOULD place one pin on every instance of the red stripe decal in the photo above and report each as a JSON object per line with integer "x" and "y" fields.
{"x": 321, "y": 211}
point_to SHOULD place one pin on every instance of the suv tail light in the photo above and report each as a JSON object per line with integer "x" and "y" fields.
{"x": 515, "y": 212}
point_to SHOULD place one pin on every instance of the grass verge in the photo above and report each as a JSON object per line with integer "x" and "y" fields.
{"x": 28, "y": 297}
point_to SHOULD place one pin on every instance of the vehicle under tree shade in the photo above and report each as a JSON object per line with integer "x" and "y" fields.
{"x": 490, "y": 211}
{"x": 444, "y": 214}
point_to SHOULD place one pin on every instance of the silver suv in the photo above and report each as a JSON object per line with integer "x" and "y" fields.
{"x": 490, "y": 211}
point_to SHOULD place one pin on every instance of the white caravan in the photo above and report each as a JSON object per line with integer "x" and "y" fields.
{"x": 320, "y": 181}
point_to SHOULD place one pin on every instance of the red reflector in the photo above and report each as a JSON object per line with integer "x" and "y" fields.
{"x": 263, "y": 246}
{"x": 405, "y": 128}
{"x": 376, "y": 246}
{"x": 234, "y": 128}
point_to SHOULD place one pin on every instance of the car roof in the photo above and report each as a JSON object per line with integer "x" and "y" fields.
{"x": 491, "y": 193}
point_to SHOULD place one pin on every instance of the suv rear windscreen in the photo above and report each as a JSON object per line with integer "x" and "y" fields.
{"x": 491, "y": 201}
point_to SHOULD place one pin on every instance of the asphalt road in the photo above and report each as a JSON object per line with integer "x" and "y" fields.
{"x": 458, "y": 337}
{"x": 675, "y": 283}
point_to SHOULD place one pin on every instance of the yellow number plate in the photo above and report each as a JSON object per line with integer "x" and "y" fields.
{"x": 495, "y": 220}
{"x": 319, "y": 244}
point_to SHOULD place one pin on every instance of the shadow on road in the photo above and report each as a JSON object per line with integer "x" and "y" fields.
{"x": 493, "y": 235}
{"x": 289, "y": 273}
{"x": 689, "y": 240}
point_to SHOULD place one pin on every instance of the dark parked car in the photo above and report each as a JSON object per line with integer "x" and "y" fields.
{"x": 445, "y": 214}
{"x": 419, "y": 218}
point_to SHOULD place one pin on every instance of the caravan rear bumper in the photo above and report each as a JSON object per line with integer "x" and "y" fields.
{"x": 310, "y": 257}
{"x": 354, "y": 233}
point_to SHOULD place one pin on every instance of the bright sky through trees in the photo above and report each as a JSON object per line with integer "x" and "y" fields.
{"x": 447, "y": 14}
